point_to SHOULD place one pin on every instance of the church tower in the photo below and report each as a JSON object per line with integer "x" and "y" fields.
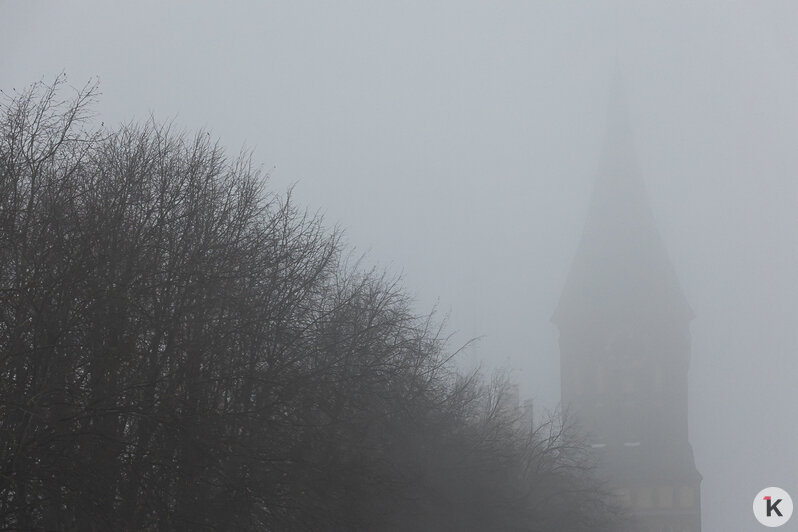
{"x": 624, "y": 327}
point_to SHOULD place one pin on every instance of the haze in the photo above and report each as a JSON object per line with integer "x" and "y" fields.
{"x": 457, "y": 144}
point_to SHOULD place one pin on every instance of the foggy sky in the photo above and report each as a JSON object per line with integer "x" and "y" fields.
{"x": 457, "y": 144}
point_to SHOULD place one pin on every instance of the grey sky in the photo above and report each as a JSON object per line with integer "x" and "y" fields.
{"x": 457, "y": 143}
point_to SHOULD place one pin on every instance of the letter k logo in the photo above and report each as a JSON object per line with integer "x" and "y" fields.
{"x": 773, "y": 506}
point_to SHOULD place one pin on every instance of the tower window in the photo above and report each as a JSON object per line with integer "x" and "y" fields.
{"x": 687, "y": 496}
{"x": 601, "y": 381}
{"x": 645, "y": 497}
{"x": 665, "y": 496}
{"x": 628, "y": 384}
{"x": 623, "y": 497}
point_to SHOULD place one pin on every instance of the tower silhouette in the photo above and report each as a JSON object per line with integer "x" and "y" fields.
{"x": 624, "y": 334}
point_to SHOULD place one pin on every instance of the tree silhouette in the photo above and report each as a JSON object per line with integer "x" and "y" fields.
{"x": 182, "y": 349}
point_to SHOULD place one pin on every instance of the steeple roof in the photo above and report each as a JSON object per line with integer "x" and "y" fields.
{"x": 621, "y": 270}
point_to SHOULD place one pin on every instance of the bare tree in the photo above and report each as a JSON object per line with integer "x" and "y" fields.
{"x": 182, "y": 349}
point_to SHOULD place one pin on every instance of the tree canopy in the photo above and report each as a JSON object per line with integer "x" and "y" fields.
{"x": 182, "y": 348}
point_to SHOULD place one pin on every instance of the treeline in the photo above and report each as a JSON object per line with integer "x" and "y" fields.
{"x": 183, "y": 349}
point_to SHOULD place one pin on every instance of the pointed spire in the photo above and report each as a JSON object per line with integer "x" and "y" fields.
{"x": 621, "y": 267}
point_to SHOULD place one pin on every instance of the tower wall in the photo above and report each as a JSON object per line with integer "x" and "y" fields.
{"x": 625, "y": 347}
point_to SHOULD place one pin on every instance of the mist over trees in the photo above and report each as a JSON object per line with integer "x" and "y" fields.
{"x": 182, "y": 348}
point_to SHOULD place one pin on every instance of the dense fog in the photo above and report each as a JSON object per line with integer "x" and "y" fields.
{"x": 458, "y": 144}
